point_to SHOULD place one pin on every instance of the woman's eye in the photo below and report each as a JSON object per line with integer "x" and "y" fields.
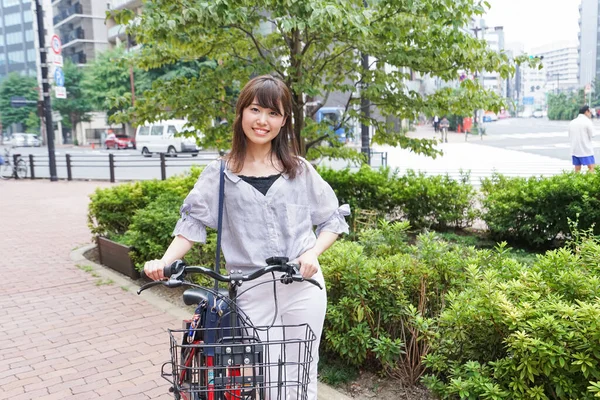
{"x": 274, "y": 113}
{"x": 254, "y": 109}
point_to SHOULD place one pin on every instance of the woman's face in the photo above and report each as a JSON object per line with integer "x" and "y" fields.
{"x": 261, "y": 125}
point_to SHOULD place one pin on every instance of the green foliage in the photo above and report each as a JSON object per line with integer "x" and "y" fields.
{"x": 535, "y": 211}
{"x": 77, "y": 106}
{"x": 15, "y": 85}
{"x": 564, "y": 106}
{"x": 530, "y": 332}
{"x": 314, "y": 46}
{"x": 425, "y": 201}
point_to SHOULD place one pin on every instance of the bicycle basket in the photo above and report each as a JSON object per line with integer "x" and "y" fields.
{"x": 246, "y": 363}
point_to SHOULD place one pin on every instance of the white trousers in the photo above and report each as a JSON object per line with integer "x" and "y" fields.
{"x": 297, "y": 303}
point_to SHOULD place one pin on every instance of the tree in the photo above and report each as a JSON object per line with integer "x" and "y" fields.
{"x": 315, "y": 47}
{"x": 563, "y": 106}
{"x": 15, "y": 85}
{"x": 77, "y": 106}
{"x": 107, "y": 79}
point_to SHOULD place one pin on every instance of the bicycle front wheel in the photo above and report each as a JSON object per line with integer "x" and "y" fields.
{"x": 6, "y": 171}
{"x": 21, "y": 169}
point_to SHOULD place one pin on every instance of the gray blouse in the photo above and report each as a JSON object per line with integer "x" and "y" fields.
{"x": 255, "y": 226}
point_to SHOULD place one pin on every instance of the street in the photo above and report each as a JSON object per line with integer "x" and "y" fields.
{"x": 515, "y": 147}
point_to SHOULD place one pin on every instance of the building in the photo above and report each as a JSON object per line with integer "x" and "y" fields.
{"x": 494, "y": 36}
{"x": 80, "y": 26}
{"x": 117, "y": 32}
{"x": 17, "y": 38}
{"x": 588, "y": 41}
{"x": 560, "y": 65}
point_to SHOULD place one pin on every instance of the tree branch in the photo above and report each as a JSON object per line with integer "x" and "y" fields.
{"x": 258, "y": 48}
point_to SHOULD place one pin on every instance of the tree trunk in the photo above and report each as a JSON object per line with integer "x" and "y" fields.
{"x": 298, "y": 111}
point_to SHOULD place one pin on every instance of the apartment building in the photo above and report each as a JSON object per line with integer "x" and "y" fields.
{"x": 17, "y": 38}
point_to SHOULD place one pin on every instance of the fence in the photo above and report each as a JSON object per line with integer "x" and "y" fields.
{"x": 115, "y": 167}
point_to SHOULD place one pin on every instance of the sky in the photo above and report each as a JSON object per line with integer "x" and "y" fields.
{"x": 535, "y": 22}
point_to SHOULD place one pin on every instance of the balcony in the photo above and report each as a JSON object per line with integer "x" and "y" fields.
{"x": 74, "y": 9}
{"x": 117, "y": 4}
{"x": 78, "y": 58}
{"x": 78, "y": 33}
{"x": 117, "y": 31}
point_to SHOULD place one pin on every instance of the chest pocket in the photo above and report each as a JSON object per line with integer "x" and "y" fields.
{"x": 298, "y": 219}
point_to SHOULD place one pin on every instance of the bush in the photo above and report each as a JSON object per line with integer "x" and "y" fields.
{"x": 527, "y": 334}
{"x": 425, "y": 201}
{"x": 535, "y": 211}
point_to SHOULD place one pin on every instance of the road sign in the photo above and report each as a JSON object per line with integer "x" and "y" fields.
{"x": 528, "y": 101}
{"x": 57, "y": 60}
{"x": 59, "y": 77}
{"x": 588, "y": 88}
{"x": 56, "y": 45}
{"x": 60, "y": 92}
{"x": 19, "y": 101}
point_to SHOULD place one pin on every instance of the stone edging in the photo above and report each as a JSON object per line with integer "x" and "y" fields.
{"x": 77, "y": 256}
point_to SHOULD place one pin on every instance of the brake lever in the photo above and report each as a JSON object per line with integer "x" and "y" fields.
{"x": 294, "y": 275}
{"x": 149, "y": 285}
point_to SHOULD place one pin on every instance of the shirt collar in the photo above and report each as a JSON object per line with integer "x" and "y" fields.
{"x": 235, "y": 178}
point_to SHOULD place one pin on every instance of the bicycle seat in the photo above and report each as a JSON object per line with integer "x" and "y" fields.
{"x": 195, "y": 296}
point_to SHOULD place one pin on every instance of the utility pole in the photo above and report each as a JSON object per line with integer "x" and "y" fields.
{"x": 46, "y": 90}
{"x": 365, "y": 106}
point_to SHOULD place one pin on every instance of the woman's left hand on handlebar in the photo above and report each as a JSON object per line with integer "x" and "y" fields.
{"x": 155, "y": 269}
{"x": 309, "y": 264}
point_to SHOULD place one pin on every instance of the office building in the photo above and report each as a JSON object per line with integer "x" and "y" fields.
{"x": 17, "y": 38}
{"x": 588, "y": 42}
{"x": 560, "y": 65}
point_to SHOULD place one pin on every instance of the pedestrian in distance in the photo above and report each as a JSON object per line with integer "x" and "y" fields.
{"x": 436, "y": 123}
{"x": 444, "y": 126}
{"x": 273, "y": 199}
{"x": 581, "y": 132}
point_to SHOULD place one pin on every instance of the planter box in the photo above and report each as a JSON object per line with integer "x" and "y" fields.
{"x": 116, "y": 256}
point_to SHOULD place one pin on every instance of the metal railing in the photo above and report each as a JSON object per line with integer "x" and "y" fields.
{"x": 114, "y": 167}
{"x": 66, "y": 13}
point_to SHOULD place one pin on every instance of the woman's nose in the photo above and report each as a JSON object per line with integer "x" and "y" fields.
{"x": 262, "y": 118}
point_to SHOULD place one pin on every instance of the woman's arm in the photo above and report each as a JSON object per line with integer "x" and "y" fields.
{"x": 309, "y": 263}
{"x": 177, "y": 249}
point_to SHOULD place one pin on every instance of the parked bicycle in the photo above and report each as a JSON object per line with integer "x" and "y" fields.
{"x": 221, "y": 355}
{"x": 12, "y": 166}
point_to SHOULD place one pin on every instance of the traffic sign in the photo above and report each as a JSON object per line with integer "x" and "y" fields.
{"x": 56, "y": 45}
{"x": 60, "y": 92}
{"x": 57, "y": 60}
{"x": 59, "y": 77}
{"x": 588, "y": 88}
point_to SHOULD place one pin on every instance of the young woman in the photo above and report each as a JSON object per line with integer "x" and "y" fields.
{"x": 273, "y": 198}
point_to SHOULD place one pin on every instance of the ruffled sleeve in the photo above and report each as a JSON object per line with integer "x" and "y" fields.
{"x": 199, "y": 207}
{"x": 325, "y": 211}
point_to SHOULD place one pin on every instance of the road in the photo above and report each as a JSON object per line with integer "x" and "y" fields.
{"x": 536, "y": 136}
{"x": 515, "y": 147}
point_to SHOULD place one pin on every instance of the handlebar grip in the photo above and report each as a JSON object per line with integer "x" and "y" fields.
{"x": 175, "y": 267}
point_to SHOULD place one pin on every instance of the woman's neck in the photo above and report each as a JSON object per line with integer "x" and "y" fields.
{"x": 259, "y": 161}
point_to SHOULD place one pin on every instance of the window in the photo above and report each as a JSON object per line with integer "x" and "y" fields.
{"x": 1, "y": 39}
{"x": 15, "y": 57}
{"x": 171, "y": 130}
{"x": 157, "y": 130}
{"x": 27, "y": 16}
{"x": 8, "y": 3}
{"x": 14, "y": 37}
{"x": 31, "y": 55}
{"x": 12, "y": 19}
{"x": 144, "y": 130}
{"x": 29, "y": 36}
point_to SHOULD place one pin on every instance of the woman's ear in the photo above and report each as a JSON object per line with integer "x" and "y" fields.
{"x": 284, "y": 121}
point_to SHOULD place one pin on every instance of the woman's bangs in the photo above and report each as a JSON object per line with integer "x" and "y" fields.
{"x": 269, "y": 95}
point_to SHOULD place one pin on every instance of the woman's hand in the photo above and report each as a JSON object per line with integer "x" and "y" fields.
{"x": 155, "y": 269}
{"x": 309, "y": 264}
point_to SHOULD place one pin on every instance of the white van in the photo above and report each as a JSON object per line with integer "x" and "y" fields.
{"x": 161, "y": 137}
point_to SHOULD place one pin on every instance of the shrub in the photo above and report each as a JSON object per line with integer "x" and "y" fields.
{"x": 526, "y": 333}
{"x": 536, "y": 211}
{"x": 425, "y": 201}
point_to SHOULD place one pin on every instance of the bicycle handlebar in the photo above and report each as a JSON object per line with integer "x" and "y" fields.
{"x": 177, "y": 271}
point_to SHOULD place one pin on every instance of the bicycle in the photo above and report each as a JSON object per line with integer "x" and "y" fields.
{"x": 220, "y": 355}
{"x": 14, "y": 166}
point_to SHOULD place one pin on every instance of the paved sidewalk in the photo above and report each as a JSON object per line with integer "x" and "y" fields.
{"x": 65, "y": 334}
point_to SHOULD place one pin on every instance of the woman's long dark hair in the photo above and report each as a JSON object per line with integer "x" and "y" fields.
{"x": 269, "y": 92}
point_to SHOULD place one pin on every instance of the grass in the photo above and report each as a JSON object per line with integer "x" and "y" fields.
{"x": 334, "y": 372}
{"x": 102, "y": 282}
{"x": 85, "y": 268}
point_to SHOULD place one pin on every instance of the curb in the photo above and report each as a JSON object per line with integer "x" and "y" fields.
{"x": 325, "y": 392}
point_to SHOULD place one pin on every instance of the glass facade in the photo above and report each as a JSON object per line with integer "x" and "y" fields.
{"x": 17, "y": 46}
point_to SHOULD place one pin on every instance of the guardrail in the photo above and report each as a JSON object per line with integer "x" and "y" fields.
{"x": 124, "y": 167}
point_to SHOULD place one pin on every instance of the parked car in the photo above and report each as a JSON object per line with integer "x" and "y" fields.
{"x": 490, "y": 116}
{"x": 18, "y": 140}
{"x": 538, "y": 114}
{"x": 31, "y": 139}
{"x": 166, "y": 137}
{"x": 118, "y": 142}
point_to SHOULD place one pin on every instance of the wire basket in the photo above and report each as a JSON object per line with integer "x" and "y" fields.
{"x": 263, "y": 363}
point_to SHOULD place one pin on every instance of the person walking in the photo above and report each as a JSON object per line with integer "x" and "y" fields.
{"x": 581, "y": 132}
{"x": 444, "y": 126}
{"x": 436, "y": 123}
{"x": 273, "y": 198}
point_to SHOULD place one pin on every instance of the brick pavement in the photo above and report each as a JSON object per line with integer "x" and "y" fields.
{"x": 61, "y": 335}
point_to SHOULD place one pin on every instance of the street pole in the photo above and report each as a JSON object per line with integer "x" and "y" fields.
{"x": 46, "y": 90}
{"x": 365, "y": 106}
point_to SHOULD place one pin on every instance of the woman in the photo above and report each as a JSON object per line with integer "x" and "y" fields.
{"x": 273, "y": 198}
